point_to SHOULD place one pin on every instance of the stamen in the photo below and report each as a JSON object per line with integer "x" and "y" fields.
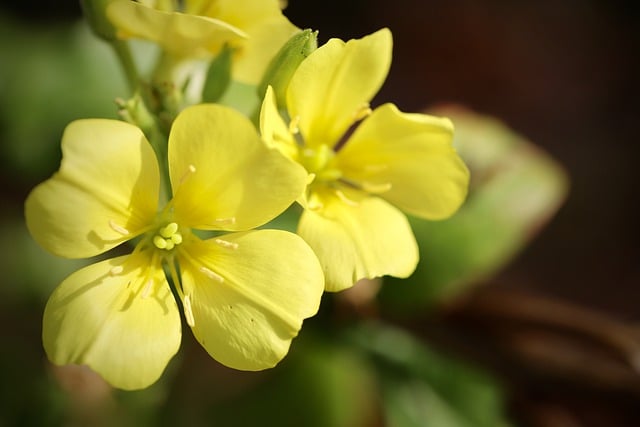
{"x": 190, "y": 171}
{"x": 293, "y": 125}
{"x": 176, "y": 238}
{"x": 230, "y": 220}
{"x": 188, "y": 314}
{"x": 212, "y": 274}
{"x": 363, "y": 111}
{"x": 147, "y": 288}
{"x": 226, "y": 244}
{"x": 116, "y": 270}
{"x": 343, "y": 197}
{"x": 315, "y": 205}
{"x": 374, "y": 188}
{"x": 118, "y": 228}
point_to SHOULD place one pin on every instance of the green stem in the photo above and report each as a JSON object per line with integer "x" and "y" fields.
{"x": 123, "y": 52}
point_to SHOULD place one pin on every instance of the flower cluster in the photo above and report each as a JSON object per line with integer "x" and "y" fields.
{"x": 188, "y": 184}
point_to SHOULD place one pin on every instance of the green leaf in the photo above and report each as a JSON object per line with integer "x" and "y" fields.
{"x": 421, "y": 387}
{"x": 515, "y": 189}
{"x": 50, "y": 75}
{"x": 218, "y": 76}
{"x": 321, "y": 383}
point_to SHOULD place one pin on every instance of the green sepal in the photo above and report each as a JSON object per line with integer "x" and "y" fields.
{"x": 218, "y": 76}
{"x": 285, "y": 63}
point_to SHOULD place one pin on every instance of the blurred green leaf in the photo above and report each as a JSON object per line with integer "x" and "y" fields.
{"x": 515, "y": 189}
{"x": 242, "y": 97}
{"x": 321, "y": 383}
{"x": 218, "y": 76}
{"x": 30, "y": 272}
{"x": 50, "y": 75}
{"x": 421, "y": 387}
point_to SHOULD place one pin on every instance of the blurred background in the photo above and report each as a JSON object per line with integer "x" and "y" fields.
{"x": 525, "y": 307}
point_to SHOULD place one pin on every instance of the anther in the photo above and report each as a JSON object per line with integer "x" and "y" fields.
{"x": 315, "y": 205}
{"x": 293, "y": 125}
{"x": 230, "y": 220}
{"x": 363, "y": 111}
{"x": 226, "y": 244}
{"x": 212, "y": 274}
{"x": 116, "y": 270}
{"x": 147, "y": 288}
{"x": 118, "y": 228}
{"x": 188, "y": 314}
{"x": 191, "y": 169}
{"x": 343, "y": 197}
{"x": 374, "y": 188}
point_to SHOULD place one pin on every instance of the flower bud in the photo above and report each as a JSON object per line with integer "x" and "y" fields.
{"x": 285, "y": 63}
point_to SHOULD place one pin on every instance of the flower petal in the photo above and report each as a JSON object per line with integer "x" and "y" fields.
{"x": 363, "y": 239}
{"x": 266, "y": 27}
{"x": 105, "y": 193}
{"x": 249, "y": 295}
{"x": 413, "y": 154}
{"x": 224, "y": 176}
{"x": 335, "y": 83}
{"x": 273, "y": 129}
{"x": 178, "y": 33}
{"x": 118, "y": 317}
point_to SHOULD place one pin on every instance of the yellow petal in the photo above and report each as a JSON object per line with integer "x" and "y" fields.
{"x": 334, "y": 85}
{"x": 265, "y": 40}
{"x": 411, "y": 158}
{"x": 273, "y": 129}
{"x": 361, "y": 239}
{"x": 224, "y": 176}
{"x": 105, "y": 193}
{"x": 178, "y": 33}
{"x": 118, "y": 317}
{"x": 266, "y": 27}
{"x": 249, "y": 295}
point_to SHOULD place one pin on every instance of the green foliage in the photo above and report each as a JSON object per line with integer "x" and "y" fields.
{"x": 420, "y": 387}
{"x": 515, "y": 188}
{"x": 49, "y": 77}
{"x": 218, "y": 76}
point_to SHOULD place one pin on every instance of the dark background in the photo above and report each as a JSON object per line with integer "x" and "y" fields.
{"x": 564, "y": 74}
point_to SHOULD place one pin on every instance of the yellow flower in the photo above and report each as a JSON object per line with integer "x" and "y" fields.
{"x": 244, "y": 294}
{"x": 358, "y": 176}
{"x": 255, "y": 29}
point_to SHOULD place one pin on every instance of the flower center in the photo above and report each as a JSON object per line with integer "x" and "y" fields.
{"x": 167, "y": 237}
{"x": 320, "y": 161}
